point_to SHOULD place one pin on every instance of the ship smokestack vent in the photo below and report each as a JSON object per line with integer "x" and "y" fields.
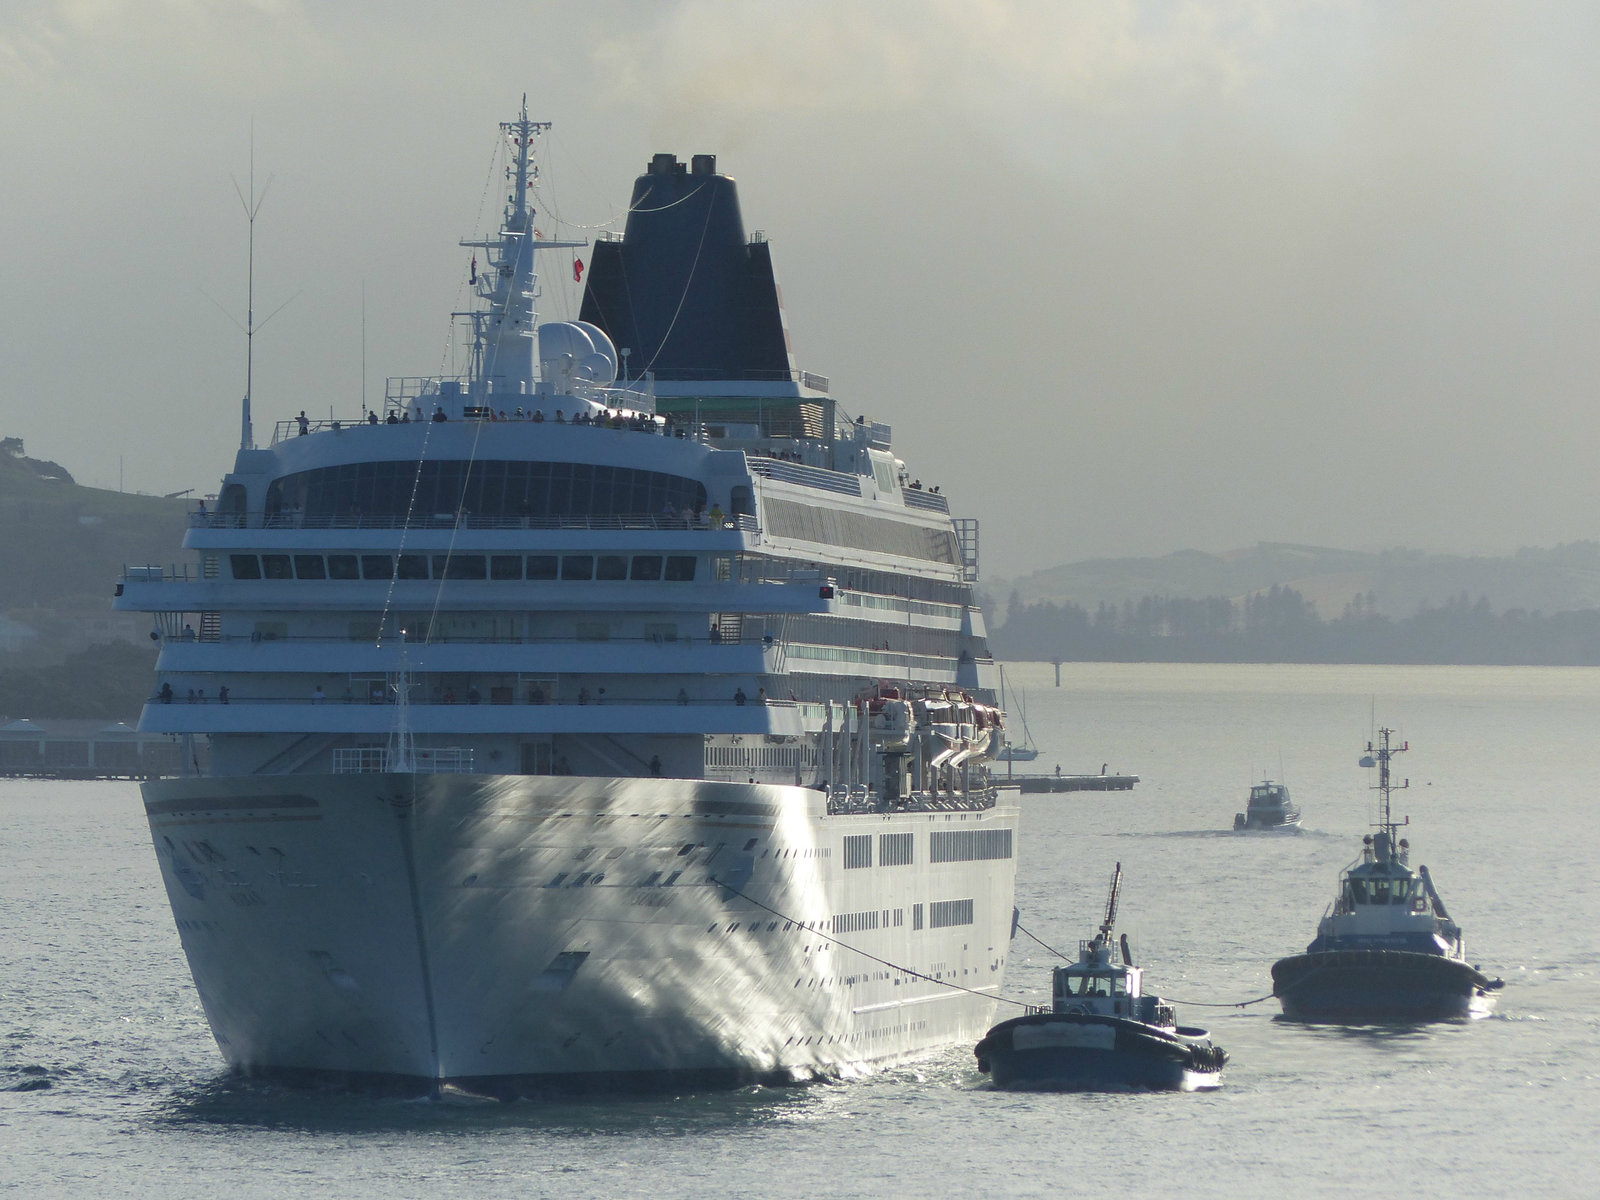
{"x": 703, "y": 164}
{"x": 665, "y": 164}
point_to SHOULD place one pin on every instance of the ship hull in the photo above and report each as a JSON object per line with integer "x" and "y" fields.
{"x": 509, "y": 932}
{"x": 1065, "y": 1052}
{"x": 1371, "y": 986}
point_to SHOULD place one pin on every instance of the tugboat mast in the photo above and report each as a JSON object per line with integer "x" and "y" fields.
{"x": 1384, "y": 753}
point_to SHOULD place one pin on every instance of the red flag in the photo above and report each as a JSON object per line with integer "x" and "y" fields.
{"x": 577, "y": 270}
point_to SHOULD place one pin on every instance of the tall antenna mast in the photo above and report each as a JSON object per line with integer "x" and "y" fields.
{"x": 252, "y": 206}
{"x": 1383, "y": 754}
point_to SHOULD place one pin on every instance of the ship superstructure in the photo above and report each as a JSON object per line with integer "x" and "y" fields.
{"x": 619, "y": 707}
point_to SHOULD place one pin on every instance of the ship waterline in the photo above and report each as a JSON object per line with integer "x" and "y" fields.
{"x": 512, "y": 929}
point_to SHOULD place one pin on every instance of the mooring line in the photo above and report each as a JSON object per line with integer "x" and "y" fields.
{"x": 1174, "y": 999}
{"x": 945, "y": 982}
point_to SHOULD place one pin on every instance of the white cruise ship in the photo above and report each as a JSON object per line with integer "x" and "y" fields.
{"x": 619, "y": 711}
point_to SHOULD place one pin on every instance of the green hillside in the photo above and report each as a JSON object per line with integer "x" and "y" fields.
{"x": 64, "y": 546}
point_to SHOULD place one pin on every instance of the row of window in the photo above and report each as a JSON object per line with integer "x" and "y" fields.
{"x": 969, "y": 845}
{"x": 957, "y": 845}
{"x": 488, "y": 488}
{"x": 674, "y": 568}
{"x": 944, "y": 913}
{"x": 855, "y": 922}
{"x": 836, "y": 527}
{"x": 894, "y": 849}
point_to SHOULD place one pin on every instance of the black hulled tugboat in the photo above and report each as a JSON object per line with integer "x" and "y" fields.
{"x": 1386, "y": 951}
{"x": 1101, "y": 1032}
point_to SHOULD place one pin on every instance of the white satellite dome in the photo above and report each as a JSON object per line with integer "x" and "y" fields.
{"x": 602, "y": 345}
{"x": 576, "y": 352}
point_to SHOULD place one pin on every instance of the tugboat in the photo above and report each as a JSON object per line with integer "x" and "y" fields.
{"x": 1269, "y": 807}
{"x": 1101, "y": 1032}
{"x": 1386, "y": 951}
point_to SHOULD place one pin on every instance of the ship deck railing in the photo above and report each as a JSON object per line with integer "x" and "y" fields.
{"x": 739, "y": 522}
{"x": 749, "y": 637}
{"x": 443, "y": 760}
{"x": 286, "y": 431}
{"x": 931, "y": 501}
{"x": 495, "y": 697}
{"x": 854, "y": 800}
{"x": 821, "y": 478}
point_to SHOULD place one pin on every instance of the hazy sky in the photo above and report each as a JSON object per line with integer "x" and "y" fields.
{"x": 1125, "y": 277}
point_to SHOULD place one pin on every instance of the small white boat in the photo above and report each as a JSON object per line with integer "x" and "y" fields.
{"x": 1101, "y": 1032}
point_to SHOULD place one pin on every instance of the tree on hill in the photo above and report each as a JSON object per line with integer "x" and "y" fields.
{"x": 43, "y": 468}
{"x": 1279, "y": 625}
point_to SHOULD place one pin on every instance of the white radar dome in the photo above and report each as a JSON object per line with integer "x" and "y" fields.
{"x": 564, "y": 340}
{"x": 602, "y": 345}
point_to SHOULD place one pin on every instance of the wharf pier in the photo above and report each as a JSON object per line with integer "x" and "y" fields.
{"x": 1028, "y": 784}
{"x": 41, "y": 748}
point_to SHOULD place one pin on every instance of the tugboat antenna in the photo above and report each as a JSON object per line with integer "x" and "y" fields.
{"x": 1384, "y": 752}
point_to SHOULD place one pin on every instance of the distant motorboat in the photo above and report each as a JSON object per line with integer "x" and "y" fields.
{"x": 1269, "y": 807}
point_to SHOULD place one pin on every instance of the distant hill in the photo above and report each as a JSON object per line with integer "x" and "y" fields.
{"x": 63, "y": 548}
{"x": 1392, "y": 583}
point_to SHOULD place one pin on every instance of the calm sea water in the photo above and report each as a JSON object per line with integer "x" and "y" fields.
{"x": 110, "y": 1083}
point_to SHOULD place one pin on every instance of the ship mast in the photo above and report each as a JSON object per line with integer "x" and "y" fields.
{"x": 502, "y": 349}
{"x": 1381, "y": 756}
